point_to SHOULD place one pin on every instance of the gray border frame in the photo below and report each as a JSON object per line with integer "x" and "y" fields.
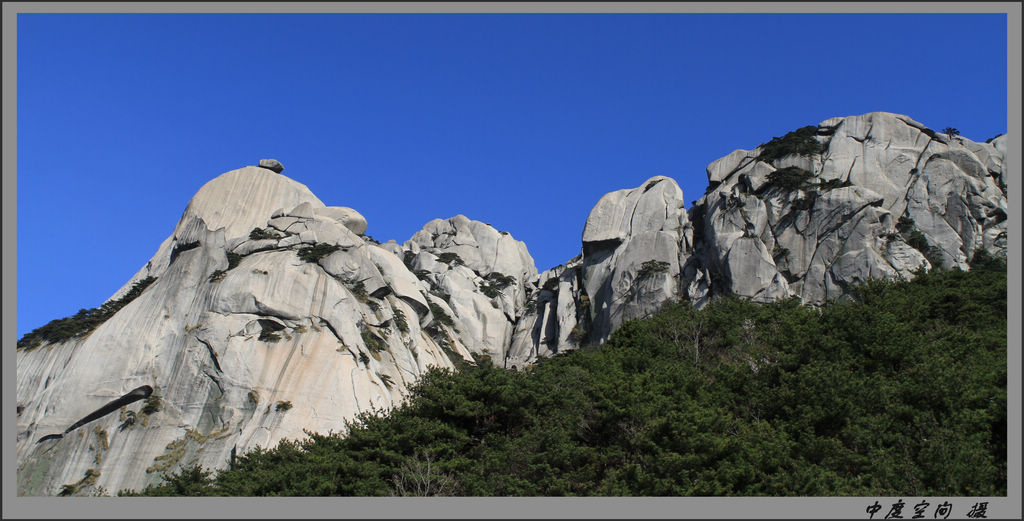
{"x": 499, "y": 508}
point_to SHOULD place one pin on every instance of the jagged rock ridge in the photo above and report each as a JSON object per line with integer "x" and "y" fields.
{"x": 272, "y": 313}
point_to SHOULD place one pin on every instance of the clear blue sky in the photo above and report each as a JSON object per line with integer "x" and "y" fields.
{"x": 521, "y": 121}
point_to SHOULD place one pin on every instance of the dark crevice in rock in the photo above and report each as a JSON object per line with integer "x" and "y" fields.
{"x": 599, "y": 249}
{"x": 331, "y": 329}
{"x": 213, "y": 355}
{"x": 134, "y": 395}
{"x": 381, "y": 292}
{"x": 997, "y": 216}
{"x": 216, "y": 381}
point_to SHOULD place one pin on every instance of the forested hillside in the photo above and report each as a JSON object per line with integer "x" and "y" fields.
{"x": 900, "y": 391}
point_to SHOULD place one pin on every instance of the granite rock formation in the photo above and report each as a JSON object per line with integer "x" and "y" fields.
{"x": 268, "y": 313}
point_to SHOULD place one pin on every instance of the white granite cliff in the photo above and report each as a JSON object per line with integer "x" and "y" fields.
{"x": 272, "y": 313}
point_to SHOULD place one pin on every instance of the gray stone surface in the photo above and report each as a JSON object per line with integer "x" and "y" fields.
{"x": 897, "y": 167}
{"x": 204, "y": 345}
{"x": 223, "y": 346}
{"x": 272, "y": 164}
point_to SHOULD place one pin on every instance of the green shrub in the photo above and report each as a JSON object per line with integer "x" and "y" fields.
{"x": 259, "y": 234}
{"x": 283, "y": 405}
{"x": 905, "y": 223}
{"x": 217, "y": 275}
{"x": 189, "y": 481}
{"x": 450, "y": 258}
{"x": 804, "y": 203}
{"x": 440, "y": 315}
{"x": 373, "y": 342}
{"x": 400, "y": 321}
{"x": 363, "y": 358}
{"x": 130, "y": 418}
{"x": 551, "y": 284}
{"x": 270, "y": 336}
{"x": 800, "y": 141}
{"x": 82, "y": 322}
{"x": 233, "y": 259}
{"x": 153, "y": 404}
{"x": 917, "y": 240}
{"x": 983, "y": 260}
{"x": 407, "y": 259}
{"x": 733, "y": 202}
{"x": 789, "y": 178}
{"x": 651, "y": 267}
{"x": 576, "y": 335}
{"x": 832, "y": 184}
{"x": 494, "y": 282}
{"x": 316, "y": 252}
{"x": 935, "y": 257}
{"x": 357, "y": 287}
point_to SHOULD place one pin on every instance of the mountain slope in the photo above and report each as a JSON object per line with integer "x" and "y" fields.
{"x": 267, "y": 313}
{"x": 902, "y": 391}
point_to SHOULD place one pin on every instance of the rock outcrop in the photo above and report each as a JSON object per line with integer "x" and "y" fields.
{"x": 634, "y": 243}
{"x": 852, "y": 199}
{"x": 272, "y": 164}
{"x": 272, "y": 313}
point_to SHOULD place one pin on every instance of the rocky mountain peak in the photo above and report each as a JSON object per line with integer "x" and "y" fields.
{"x": 267, "y": 313}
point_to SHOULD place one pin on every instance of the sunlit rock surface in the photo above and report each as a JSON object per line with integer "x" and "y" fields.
{"x": 272, "y": 313}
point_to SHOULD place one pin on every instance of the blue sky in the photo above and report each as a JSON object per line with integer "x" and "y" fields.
{"x": 520, "y": 121}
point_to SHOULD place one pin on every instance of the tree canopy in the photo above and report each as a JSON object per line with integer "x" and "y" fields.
{"x": 900, "y": 390}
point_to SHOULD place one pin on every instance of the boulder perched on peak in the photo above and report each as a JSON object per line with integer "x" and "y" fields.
{"x": 269, "y": 315}
{"x": 272, "y": 164}
{"x": 236, "y": 201}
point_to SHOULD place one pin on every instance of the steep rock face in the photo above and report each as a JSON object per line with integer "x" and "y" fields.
{"x": 237, "y": 201}
{"x": 855, "y": 198}
{"x": 635, "y": 243}
{"x": 556, "y": 316}
{"x": 281, "y": 318}
{"x": 481, "y": 274}
{"x": 272, "y": 313}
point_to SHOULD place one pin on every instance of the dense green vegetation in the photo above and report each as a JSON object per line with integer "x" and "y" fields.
{"x": 318, "y": 251}
{"x": 789, "y": 178}
{"x": 651, "y": 267}
{"x": 495, "y": 282}
{"x": 451, "y": 258}
{"x": 82, "y": 322}
{"x": 907, "y": 229}
{"x": 233, "y": 260}
{"x": 800, "y": 141}
{"x": 832, "y": 184}
{"x": 258, "y": 234}
{"x": 899, "y": 391}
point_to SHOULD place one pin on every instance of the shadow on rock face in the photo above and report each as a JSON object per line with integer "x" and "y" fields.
{"x": 139, "y": 393}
